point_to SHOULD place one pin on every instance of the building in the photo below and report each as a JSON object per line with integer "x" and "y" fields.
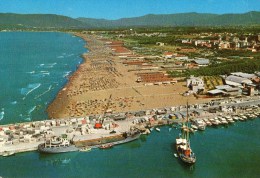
{"x": 201, "y": 62}
{"x": 237, "y": 81}
{"x": 195, "y": 84}
{"x": 168, "y": 55}
{"x": 244, "y": 75}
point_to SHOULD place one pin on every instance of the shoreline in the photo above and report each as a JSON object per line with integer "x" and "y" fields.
{"x": 103, "y": 82}
{"x": 82, "y": 131}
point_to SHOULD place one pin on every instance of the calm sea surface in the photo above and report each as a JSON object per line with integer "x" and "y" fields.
{"x": 33, "y": 69}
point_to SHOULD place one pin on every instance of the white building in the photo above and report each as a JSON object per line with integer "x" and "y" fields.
{"x": 195, "y": 84}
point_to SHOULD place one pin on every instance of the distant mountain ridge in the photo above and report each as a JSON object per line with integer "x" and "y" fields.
{"x": 182, "y": 19}
{"x": 40, "y": 21}
{"x": 150, "y": 20}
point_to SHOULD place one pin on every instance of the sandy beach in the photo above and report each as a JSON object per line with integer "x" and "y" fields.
{"x": 103, "y": 83}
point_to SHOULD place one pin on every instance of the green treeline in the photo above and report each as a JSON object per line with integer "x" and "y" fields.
{"x": 224, "y": 68}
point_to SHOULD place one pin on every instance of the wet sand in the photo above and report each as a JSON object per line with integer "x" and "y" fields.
{"x": 102, "y": 82}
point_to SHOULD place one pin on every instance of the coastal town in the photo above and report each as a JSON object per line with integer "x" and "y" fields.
{"x": 112, "y": 94}
{"x": 132, "y": 89}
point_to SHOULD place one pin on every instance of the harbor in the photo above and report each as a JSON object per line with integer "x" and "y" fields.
{"x": 155, "y": 151}
{"x": 96, "y": 130}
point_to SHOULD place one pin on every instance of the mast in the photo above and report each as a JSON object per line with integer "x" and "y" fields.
{"x": 187, "y": 120}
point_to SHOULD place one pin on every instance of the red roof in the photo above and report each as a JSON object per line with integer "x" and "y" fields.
{"x": 98, "y": 126}
{"x": 168, "y": 53}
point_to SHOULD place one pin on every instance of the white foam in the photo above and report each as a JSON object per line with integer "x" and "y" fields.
{"x": 69, "y": 55}
{"x": 14, "y": 102}
{"x": 59, "y": 57}
{"x": 32, "y": 109}
{"x": 48, "y": 65}
{"x": 2, "y": 114}
{"x": 30, "y": 88}
{"x": 27, "y": 119}
{"x": 38, "y": 96}
{"x": 32, "y": 72}
{"x": 66, "y": 74}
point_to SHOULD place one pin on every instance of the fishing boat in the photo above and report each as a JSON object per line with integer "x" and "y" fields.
{"x": 183, "y": 144}
{"x": 57, "y": 145}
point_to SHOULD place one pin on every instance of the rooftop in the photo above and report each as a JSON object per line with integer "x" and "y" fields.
{"x": 201, "y": 61}
{"x": 244, "y": 75}
{"x": 236, "y": 79}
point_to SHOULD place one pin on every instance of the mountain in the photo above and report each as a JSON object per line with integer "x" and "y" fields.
{"x": 40, "y": 21}
{"x": 150, "y": 20}
{"x": 182, "y": 19}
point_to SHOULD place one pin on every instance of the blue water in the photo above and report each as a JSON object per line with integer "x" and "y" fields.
{"x": 225, "y": 152}
{"x": 34, "y": 67}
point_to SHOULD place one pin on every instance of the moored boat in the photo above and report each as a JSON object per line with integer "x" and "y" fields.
{"x": 57, "y": 145}
{"x": 183, "y": 147}
{"x": 106, "y": 146}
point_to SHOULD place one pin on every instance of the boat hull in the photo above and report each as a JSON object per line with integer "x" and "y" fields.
{"x": 54, "y": 150}
{"x": 186, "y": 159}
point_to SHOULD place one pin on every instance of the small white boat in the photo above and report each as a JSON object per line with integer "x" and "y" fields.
{"x": 194, "y": 127}
{"x": 157, "y": 129}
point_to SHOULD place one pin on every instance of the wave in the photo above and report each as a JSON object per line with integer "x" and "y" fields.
{"x": 32, "y": 72}
{"x": 59, "y": 57}
{"x": 66, "y": 74}
{"x": 14, "y": 102}
{"x": 2, "y": 114}
{"x": 43, "y": 74}
{"x": 32, "y": 109}
{"x": 38, "y": 96}
{"x": 48, "y": 65}
{"x": 69, "y": 55}
{"x": 27, "y": 119}
{"x": 30, "y": 88}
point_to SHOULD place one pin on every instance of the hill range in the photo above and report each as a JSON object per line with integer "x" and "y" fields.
{"x": 150, "y": 20}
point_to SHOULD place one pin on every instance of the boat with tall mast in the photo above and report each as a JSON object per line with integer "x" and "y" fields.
{"x": 183, "y": 143}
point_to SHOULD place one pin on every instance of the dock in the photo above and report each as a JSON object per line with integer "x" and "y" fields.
{"x": 23, "y": 137}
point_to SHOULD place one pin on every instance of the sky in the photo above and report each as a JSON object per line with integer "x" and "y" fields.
{"x": 115, "y": 9}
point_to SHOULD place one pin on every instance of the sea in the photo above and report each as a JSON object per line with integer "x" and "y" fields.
{"x": 35, "y": 66}
{"x": 222, "y": 152}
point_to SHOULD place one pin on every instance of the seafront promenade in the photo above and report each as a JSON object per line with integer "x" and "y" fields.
{"x": 22, "y": 137}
